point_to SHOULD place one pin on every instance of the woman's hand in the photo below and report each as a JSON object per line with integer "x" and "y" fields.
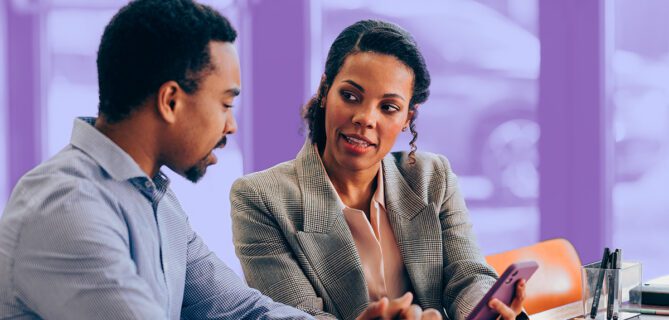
{"x": 516, "y": 307}
{"x": 400, "y": 308}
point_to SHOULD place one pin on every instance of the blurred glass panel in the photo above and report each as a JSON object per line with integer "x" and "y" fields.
{"x": 70, "y": 70}
{"x": 483, "y": 57}
{"x": 71, "y": 90}
{"x": 87, "y": 3}
{"x": 640, "y": 101}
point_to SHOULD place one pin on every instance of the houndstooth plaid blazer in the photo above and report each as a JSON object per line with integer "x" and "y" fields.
{"x": 295, "y": 246}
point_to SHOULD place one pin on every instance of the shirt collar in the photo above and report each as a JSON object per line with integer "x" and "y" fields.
{"x": 379, "y": 196}
{"x": 114, "y": 160}
{"x": 155, "y": 189}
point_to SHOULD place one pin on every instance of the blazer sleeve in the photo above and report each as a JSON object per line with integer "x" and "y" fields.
{"x": 467, "y": 277}
{"x": 268, "y": 262}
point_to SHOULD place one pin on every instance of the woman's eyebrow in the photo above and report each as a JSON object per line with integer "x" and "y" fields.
{"x": 387, "y": 95}
{"x": 394, "y": 95}
{"x": 353, "y": 83}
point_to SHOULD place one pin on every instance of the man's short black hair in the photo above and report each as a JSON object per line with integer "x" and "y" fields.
{"x": 150, "y": 42}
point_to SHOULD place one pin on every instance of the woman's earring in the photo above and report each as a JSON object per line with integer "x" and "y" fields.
{"x": 404, "y": 129}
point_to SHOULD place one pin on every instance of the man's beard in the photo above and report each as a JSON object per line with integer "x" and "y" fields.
{"x": 197, "y": 171}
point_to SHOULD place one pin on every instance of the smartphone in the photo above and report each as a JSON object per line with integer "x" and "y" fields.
{"x": 504, "y": 289}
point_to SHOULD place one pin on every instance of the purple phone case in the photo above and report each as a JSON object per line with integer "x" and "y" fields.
{"x": 504, "y": 289}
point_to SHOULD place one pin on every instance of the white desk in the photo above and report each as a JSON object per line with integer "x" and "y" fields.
{"x": 574, "y": 310}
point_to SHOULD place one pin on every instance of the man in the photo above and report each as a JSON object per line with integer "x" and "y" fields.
{"x": 95, "y": 232}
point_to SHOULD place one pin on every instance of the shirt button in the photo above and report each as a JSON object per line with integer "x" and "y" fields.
{"x": 147, "y": 184}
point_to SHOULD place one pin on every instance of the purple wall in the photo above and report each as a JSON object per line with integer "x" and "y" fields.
{"x": 24, "y": 112}
{"x": 277, "y": 55}
{"x": 575, "y": 194}
{"x": 4, "y": 130}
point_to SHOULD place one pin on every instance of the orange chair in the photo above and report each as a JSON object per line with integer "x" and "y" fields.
{"x": 557, "y": 281}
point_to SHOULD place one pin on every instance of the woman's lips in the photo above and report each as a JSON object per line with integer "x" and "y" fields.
{"x": 356, "y": 145}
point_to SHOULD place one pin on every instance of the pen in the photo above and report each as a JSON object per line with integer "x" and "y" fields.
{"x": 609, "y": 279}
{"x": 647, "y": 311}
{"x": 616, "y": 281}
{"x": 600, "y": 281}
{"x": 611, "y": 312}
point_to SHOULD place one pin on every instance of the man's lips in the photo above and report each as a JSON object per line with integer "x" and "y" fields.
{"x": 214, "y": 159}
{"x": 220, "y": 145}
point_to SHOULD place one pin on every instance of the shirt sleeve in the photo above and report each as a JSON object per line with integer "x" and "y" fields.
{"x": 72, "y": 260}
{"x": 214, "y": 291}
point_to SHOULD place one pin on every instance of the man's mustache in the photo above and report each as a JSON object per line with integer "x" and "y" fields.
{"x": 221, "y": 143}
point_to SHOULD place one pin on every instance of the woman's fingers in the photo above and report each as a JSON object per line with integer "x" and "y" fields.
{"x": 375, "y": 310}
{"x": 517, "y": 303}
{"x": 504, "y": 310}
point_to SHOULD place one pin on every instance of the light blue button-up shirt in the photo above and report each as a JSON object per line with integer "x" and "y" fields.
{"x": 88, "y": 235}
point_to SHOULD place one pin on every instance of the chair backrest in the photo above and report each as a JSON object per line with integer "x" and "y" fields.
{"x": 557, "y": 281}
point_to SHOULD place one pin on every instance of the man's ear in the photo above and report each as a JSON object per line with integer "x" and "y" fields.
{"x": 168, "y": 100}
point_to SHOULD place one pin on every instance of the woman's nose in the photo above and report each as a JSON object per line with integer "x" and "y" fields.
{"x": 366, "y": 117}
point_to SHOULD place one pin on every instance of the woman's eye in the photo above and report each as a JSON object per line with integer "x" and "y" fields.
{"x": 348, "y": 96}
{"x": 390, "y": 107}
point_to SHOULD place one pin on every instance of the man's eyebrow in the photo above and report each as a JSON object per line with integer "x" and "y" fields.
{"x": 232, "y": 91}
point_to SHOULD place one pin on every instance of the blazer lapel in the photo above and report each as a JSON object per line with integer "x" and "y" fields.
{"x": 418, "y": 233}
{"x": 326, "y": 239}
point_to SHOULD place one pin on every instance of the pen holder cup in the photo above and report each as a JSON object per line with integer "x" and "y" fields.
{"x": 615, "y": 285}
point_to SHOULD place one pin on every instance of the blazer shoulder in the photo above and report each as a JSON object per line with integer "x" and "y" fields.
{"x": 430, "y": 175}
{"x": 269, "y": 182}
{"x": 426, "y": 163}
{"x": 273, "y": 194}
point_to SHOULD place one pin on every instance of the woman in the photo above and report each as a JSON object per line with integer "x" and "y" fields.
{"x": 347, "y": 222}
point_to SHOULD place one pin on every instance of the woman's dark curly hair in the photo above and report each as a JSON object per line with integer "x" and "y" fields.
{"x": 369, "y": 36}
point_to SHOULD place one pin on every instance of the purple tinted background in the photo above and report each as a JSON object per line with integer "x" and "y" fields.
{"x": 596, "y": 89}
